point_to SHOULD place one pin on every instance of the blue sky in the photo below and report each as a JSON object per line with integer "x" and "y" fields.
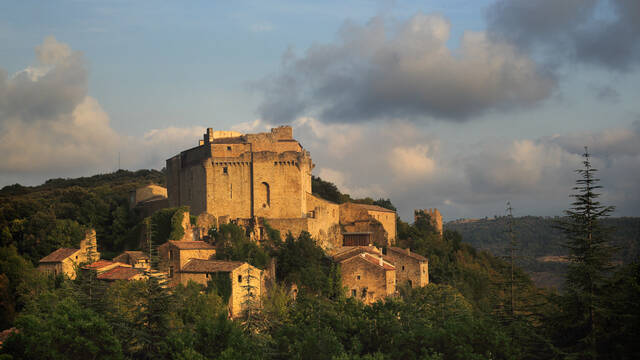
{"x": 460, "y": 105}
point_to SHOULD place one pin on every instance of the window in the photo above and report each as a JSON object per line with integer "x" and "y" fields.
{"x": 364, "y": 293}
{"x": 354, "y": 292}
{"x": 171, "y": 255}
{"x": 239, "y": 278}
{"x": 267, "y": 194}
{"x": 229, "y": 148}
{"x": 225, "y": 170}
{"x": 402, "y": 267}
{"x": 410, "y": 283}
{"x": 358, "y": 277}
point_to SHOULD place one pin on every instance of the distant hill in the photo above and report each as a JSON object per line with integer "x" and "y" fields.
{"x": 541, "y": 251}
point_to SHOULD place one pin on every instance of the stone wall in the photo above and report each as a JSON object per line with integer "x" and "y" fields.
{"x": 359, "y": 274}
{"x": 409, "y": 269}
{"x": 434, "y": 214}
{"x": 239, "y": 282}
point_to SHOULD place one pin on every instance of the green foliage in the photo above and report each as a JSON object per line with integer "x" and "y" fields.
{"x": 234, "y": 244}
{"x": 220, "y": 284}
{"x": 329, "y": 191}
{"x": 67, "y": 332}
{"x": 301, "y": 261}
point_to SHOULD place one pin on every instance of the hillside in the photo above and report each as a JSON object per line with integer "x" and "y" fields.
{"x": 540, "y": 242}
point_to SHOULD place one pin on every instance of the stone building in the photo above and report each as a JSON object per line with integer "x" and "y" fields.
{"x": 174, "y": 255}
{"x": 148, "y": 199}
{"x": 367, "y": 276}
{"x": 120, "y": 272}
{"x": 253, "y": 178}
{"x": 136, "y": 259}
{"x": 434, "y": 216}
{"x": 411, "y": 268}
{"x": 246, "y": 280}
{"x": 360, "y": 218}
{"x": 66, "y": 260}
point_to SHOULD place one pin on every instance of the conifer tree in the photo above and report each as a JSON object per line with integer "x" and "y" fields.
{"x": 589, "y": 260}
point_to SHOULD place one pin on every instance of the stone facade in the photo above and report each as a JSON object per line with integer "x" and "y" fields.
{"x": 434, "y": 215}
{"x": 174, "y": 255}
{"x": 368, "y": 277}
{"x": 380, "y": 222}
{"x": 66, "y": 260}
{"x": 411, "y": 268}
{"x": 244, "y": 278}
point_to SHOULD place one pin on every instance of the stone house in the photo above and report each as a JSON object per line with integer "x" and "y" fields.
{"x": 174, "y": 255}
{"x": 363, "y": 218}
{"x": 411, "y": 268}
{"x": 66, "y": 260}
{"x": 367, "y": 276}
{"x": 148, "y": 199}
{"x": 246, "y": 280}
{"x": 137, "y": 259}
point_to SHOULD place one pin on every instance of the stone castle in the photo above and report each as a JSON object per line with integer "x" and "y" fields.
{"x": 253, "y": 179}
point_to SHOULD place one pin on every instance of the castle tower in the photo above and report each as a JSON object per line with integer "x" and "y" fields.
{"x": 434, "y": 215}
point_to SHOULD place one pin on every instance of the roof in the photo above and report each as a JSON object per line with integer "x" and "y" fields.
{"x": 407, "y": 252}
{"x": 357, "y": 233}
{"x": 374, "y": 260}
{"x": 99, "y": 264}
{"x": 59, "y": 255}
{"x": 191, "y": 245}
{"x": 210, "y": 266}
{"x": 119, "y": 273}
{"x": 345, "y": 252}
{"x": 132, "y": 256}
{"x": 373, "y": 207}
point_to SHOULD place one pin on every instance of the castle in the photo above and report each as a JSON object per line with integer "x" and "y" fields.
{"x": 253, "y": 179}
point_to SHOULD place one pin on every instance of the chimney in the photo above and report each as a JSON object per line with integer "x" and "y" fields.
{"x": 408, "y": 251}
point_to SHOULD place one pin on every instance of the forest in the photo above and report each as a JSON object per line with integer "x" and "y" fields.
{"x": 477, "y": 306}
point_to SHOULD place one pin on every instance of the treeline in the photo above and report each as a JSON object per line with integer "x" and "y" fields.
{"x": 539, "y": 237}
{"x": 329, "y": 191}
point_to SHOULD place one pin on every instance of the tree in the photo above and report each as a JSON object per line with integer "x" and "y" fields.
{"x": 589, "y": 260}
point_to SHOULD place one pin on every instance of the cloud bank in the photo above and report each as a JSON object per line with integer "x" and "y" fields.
{"x": 382, "y": 71}
{"x": 596, "y": 32}
{"x": 50, "y": 126}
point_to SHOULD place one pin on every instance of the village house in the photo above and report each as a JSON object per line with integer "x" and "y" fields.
{"x": 367, "y": 276}
{"x": 174, "y": 255}
{"x": 411, "y": 268}
{"x": 65, "y": 261}
{"x": 246, "y": 281}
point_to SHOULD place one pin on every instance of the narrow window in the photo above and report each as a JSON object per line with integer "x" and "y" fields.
{"x": 358, "y": 277}
{"x": 402, "y": 267}
{"x": 225, "y": 170}
{"x": 267, "y": 194}
{"x": 354, "y": 292}
{"x": 239, "y": 278}
{"x": 229, "y": 148}
{"x": 364, "y": 293}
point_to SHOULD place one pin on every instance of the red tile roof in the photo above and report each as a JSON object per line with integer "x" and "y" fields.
{"x": 374, "y": 260}
{"x": 410, "y": 254}
{"x": 131, "y": 257}
{"x": 191, "y": 245}
{"x": 99, "y": 264}
{"x": 59, "y": 255}
{"x": 345, "y": 252}
{"x": 119, "y": 273}
{"x": 210, "y": 266}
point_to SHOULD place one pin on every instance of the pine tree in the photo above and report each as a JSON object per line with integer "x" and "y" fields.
{"x": 589, "y": 260}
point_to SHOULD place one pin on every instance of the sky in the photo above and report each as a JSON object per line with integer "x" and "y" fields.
{"x": 457, "y": 105}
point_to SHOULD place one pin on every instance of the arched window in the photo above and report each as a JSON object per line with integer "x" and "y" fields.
{"x": 267, "y": 194}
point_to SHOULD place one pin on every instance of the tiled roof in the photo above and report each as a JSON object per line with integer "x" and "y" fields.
{"x": 99, "y": 264}
{"x": 372, "y": 207}
{"x": 345, "y": 252}
{"x": 59, "y": 255}
{"x": 407, "y": 253}
{"x": 191, "y": 245}
{"x": 374, "y": 260}
{"x": 120, "y": 273}
{"x": 210, "y": 266}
